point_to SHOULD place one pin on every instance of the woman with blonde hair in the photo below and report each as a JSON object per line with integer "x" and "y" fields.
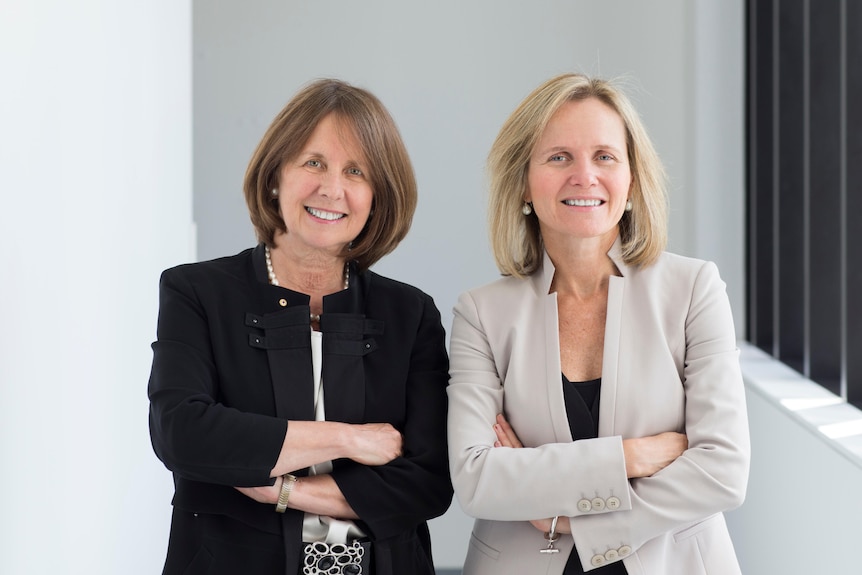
{"x": 597, "y": 416}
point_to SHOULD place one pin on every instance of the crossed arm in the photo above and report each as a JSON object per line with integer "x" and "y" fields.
{"x": 308, "y": 443}
{"x": 393, "y": 475}
{"x": 644, "y": 456}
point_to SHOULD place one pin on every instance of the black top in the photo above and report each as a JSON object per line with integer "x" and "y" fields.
{"x": 582, "y": 409}
{"x": 232, "y": 364}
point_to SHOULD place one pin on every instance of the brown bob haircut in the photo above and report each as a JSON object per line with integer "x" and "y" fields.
{"x": 516, "y": 240}
{"x": 390, "y": 172}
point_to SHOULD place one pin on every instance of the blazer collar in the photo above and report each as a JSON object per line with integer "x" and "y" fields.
{"x": 281, "y": 327}
{"x": 616, "y": 255}
{"x": 275, "y": 297}
{"x": 543, "y": 277}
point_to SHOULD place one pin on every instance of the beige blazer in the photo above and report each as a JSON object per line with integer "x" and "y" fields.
{"x": 670, "y": 364}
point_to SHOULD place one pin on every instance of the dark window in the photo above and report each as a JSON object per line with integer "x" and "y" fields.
{"x": 804, "y": 178}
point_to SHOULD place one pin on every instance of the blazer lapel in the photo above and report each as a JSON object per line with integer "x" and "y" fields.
{"x": 287, "y": 343}
{"x": 611, "y": 355}
{"x": 282, "y": 329}
{"x": 553, "y": 370}
{"x": 347, "y": 339}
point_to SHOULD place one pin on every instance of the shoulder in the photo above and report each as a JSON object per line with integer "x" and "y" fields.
{"x": 501, "y": 289}
{"x": 675, "y": 262}
{"x": 675, "y": 279}
{"x": 213, "y": 267}
{"x": 671, "y": 266}
{"x": 405, "y": 308}
{"x": 397, "y": 296}
{"x": 382, "y": 285}
{"x": 210, "y": 274}
{"x": 503, "y": 300}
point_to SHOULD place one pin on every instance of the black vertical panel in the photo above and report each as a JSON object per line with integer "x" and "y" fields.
{"x": 804, "y": 178}
{"x": 853, "y": 27}
{"x": 824, "y": 180}
{"x": 790, "y": 189}
{"x": 751, "y": 331}
{"x": 760, "y": 173}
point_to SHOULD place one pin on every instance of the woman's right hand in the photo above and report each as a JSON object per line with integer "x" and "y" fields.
{"x": 374, "y": 443}
{"x": 648, "y": 455}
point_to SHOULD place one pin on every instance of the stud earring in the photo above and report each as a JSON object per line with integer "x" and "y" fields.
{"x": 629, "y": 206}
{"x": 274, "y": 192}
{"x": 527, "y": 209}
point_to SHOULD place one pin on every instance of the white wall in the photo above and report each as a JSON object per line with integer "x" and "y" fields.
{"x": 802, "y": 511}
{"x": 714, "y": 217}
{"x": 450, "y": 73}
{"x": 95, "y": 177}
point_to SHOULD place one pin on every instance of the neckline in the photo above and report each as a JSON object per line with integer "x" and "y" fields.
{"x": 596, "y": 381}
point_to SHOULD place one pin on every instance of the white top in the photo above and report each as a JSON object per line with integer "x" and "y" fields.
{"x": 321, "y": 527}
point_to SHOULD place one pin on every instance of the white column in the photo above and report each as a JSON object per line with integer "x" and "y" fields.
{"x": 95, "y": 199}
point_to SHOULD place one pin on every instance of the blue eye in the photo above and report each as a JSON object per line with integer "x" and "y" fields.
{"x": 605, "y": 157}
{"x": 557, "y": 158}
{"x": 313, "y": 163}
{"x": 354, "y": 171}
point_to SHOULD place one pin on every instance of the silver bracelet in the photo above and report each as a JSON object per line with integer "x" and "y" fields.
{"x": 552, "y": 537}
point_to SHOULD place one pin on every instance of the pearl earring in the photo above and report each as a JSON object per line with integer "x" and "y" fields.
{"x": 629, "y": 206}
{"x": 274, "y": 192}
{"x": 527, "y": 209}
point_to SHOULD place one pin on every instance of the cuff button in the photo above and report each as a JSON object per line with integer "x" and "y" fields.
{"x": 598, "y": 560}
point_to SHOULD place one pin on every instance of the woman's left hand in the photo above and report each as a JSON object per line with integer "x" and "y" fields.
{"x": 506, "y": 437}
{"x": 544, "y": 525}
{"x": 505, "y": 434}
{"x": 263, "y": 494}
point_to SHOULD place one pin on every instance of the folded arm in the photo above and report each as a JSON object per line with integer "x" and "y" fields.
{"x": 541, "y": 481}
{"x": 390, "y": 478}
{"x": 711, "y": 475}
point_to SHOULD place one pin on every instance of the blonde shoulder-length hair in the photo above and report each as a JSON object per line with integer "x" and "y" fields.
{"x": 516, "y": 239}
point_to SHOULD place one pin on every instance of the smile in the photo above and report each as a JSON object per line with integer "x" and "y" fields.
{"x": 324, "y": 215}
{"x": 583, "y": 203}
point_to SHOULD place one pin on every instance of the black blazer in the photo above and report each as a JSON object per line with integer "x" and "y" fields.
{"x": 232, "y": 364}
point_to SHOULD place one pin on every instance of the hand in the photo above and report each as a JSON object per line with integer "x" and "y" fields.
{"x": 506, "y": 435}
{"x": 646, "y": 456}
{"x": 263, "y": 494}
{"x": 544, "y": 525}
{"x": 375, "y": 443}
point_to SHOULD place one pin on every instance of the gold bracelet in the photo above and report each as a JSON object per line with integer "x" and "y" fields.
{"x": 287, "y": 483}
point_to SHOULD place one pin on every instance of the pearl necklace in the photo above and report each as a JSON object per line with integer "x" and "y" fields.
{"x": 274, "y": 280}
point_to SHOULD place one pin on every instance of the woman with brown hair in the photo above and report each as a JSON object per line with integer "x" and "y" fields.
{"x": 298, "y": 397}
